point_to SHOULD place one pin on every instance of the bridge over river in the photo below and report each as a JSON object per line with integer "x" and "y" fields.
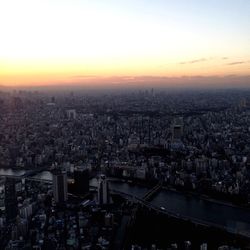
{"x": 204, "y": 212}
{"x": 231, "y": 218}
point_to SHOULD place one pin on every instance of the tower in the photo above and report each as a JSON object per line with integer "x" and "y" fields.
{"x": 60, "y": 188}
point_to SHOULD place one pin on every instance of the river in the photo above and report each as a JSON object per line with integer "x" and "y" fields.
{"x": 11, "y": 172}
{"x": 234, "y": 218}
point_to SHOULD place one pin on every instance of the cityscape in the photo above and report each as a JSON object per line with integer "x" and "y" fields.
{"x": 97, "y": 171}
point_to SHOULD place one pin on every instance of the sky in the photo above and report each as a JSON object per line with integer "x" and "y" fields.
{"x": 45, "y": 42}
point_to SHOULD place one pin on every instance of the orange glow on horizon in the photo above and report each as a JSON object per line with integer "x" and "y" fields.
{"x": 29, "y": 74}
{"x": 61, "y": 42}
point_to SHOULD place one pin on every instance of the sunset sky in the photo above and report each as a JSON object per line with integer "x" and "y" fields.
{"x": 99, "y": 41}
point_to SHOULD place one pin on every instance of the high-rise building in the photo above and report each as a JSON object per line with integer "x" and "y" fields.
{"x": 10, "y": 199}
{"x": 81, "y": 177}
{"x": 71, "y": 114}
{"x": 103, "y": 191}
{"x": 60, "y": 188}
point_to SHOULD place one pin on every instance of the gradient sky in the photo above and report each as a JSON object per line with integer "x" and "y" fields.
{"x": 90, "y": 41}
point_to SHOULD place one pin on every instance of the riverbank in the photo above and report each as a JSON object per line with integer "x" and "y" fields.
{"x": 142, "y": 183}
{"x": 151, "y": 227}
{"x": 188, "y": 193}
{"x": 186, "y": 204}
{"x": 205, "y": 198}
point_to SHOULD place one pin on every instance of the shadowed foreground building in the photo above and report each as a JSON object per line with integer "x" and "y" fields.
{"x": 81, "y": 177}
{"x": 10, "y": 199}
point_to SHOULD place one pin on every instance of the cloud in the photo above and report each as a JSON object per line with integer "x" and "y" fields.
{"x": 203, "y": 59}
{"x": 195, "y": 61}
{"x": 83, "y": 76}
{"x": 147, "y": 81}
{"x": 237, "y": 62}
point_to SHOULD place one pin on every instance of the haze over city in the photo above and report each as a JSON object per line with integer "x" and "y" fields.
{"x": 125, "y": 43}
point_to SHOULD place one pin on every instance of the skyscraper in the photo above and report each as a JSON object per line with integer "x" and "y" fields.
{"x": 10, "y": 199}
{"x": 60, "y": 188}
{"x": 103, "y": 191}
{"x": 81, "y": 176}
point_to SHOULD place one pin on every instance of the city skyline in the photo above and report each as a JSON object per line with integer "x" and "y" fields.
{"x": 100, "y": 43}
